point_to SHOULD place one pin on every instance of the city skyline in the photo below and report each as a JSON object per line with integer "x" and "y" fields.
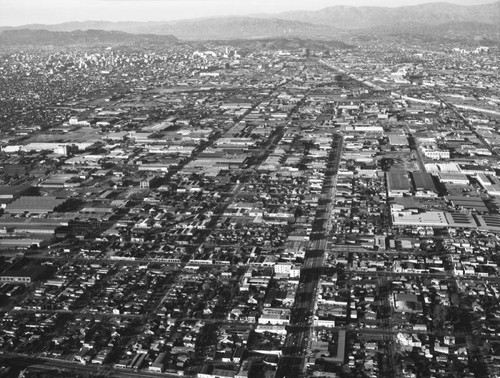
{"x": 21, "y": 12}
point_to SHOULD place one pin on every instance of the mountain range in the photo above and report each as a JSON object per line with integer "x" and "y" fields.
{"x": 351, "y": 18}
{"x": 79, "y": 37}
{"x": 26, "y": 37}
{"x": 348, "y": 23}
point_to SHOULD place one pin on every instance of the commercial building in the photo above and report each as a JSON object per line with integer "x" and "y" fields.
{"x": 434, "y": 153}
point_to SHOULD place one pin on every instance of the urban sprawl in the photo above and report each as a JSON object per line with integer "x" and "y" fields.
{"x": 222, "y": 212}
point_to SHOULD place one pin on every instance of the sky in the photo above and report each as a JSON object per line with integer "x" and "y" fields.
{"x": 21, "y": 12}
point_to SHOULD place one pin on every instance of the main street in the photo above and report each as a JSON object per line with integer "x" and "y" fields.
{"x": 68, "y": 368}
{"x": 414, "y": 147}
{"x": 295, "y": 351}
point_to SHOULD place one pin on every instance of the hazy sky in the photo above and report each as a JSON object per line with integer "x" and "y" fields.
{"x": 19, "y": 12}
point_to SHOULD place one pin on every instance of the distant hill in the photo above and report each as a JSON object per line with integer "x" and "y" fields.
{"x": 337, "y": 22}
{"x": 225, "y": 28}
{"x": 281, "y": 43}
{"x": 350, "y": 17}
{"x": 96, "y": 37}
{"x": 79, "y": 37}
{"x": 125, "y": 26}
{"x": 473, "y": 32}
{"x": 208, "y": 28}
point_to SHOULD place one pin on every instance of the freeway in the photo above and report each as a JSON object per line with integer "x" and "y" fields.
{"x": 454, "y": 109}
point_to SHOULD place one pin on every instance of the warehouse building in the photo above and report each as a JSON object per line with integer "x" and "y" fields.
{"x": 34, "y": 205}
{"x": 423, "y": 184}
{"x": 398, "y": 184}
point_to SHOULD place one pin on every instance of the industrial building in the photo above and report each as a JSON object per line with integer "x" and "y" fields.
{"x": 398, "y": 184}
{"x": 34, "y": 205}
{"x": 423, "y": 184}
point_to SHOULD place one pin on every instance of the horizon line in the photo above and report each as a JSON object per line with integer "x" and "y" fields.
{"x": 249, "y": 15}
